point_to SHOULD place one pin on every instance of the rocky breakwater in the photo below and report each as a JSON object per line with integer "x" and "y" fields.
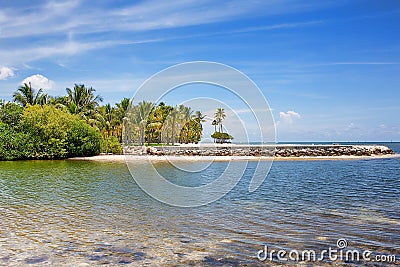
{"x": 262, "y": 150}
{"x": 333, "y": 151}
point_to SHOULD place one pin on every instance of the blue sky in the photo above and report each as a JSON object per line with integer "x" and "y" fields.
{"x": 329, "y": 69}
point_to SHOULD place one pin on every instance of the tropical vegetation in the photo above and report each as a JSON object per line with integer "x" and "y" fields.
{"x": 44, "y": 132}
{"x": 147, "y": 123}
{"x": 25, "y": 95}
{"x": 38, "y": 126}
{"x": 219, "y": 136}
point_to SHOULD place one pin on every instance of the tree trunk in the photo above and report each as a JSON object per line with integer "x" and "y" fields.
{"x": 173, "y": 132}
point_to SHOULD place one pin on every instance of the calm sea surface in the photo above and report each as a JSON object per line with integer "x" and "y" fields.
{"x": 79, "y": 213}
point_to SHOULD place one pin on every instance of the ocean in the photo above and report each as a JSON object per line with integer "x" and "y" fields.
{"x": 77, "y": 213}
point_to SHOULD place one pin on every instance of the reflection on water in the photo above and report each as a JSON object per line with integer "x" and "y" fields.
{"x": 84, "y": 213}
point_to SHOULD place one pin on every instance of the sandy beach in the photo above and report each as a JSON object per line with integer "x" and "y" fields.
{"x": 122, "y": 158}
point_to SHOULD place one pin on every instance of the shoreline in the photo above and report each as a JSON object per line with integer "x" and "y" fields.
{"x": 122, "y": 158}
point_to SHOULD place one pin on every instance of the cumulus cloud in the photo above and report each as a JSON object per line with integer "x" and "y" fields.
{"x": 288, "y": 117}
{"x": 6, "y": 73}
{"x": 38, "y": 81}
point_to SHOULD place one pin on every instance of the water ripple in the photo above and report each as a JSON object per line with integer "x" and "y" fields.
{"x": 75, "y": 213}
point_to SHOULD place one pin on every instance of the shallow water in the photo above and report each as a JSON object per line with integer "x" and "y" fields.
{"x": 90, "y": 213}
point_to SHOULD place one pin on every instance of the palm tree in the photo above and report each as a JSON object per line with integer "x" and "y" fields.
{"x": 122, "y": 107}
{"x": 108, "y": 121}
{"x": 215, "y": 123}
{"x": 185, "y": 115}
{"x": 141, "y": 114}
{"x": 219, "y": 116}
{"x": 25, "y": 95}
{"x": 198, "y": 115}
{"x": 171, "y": 126}
{"x": 198, "y": 127}
{"x": 81, "y": 99}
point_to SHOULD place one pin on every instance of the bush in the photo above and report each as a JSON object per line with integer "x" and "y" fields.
{"x": 111, "y": 144}
{"x": 58, "y": 134}
{"x": 83, "y": 140}
{"x": 11, "y": 113}
{"x": 45, "y": 132}
{"x": 221, "y": 137}
{"x": 13, "y": 144}
{"x": 49, "y": 126}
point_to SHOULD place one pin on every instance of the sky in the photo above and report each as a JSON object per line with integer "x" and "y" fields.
{"x": 330, "y": 70}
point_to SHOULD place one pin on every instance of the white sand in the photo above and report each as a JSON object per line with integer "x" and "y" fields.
{"x": 121, "y": 158}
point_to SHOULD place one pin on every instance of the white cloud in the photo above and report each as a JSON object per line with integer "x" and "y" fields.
{"x": 6, "y": 73}
{"x": 38, "y": 81}
{"x": 88, "y": 21}
{"x": 148, "y": 15}
{"x": 278, "y": 26}
{"x": 69, "y": 48}
{"x": 288, "y": 117}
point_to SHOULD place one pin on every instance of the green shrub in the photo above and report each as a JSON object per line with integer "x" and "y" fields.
{"x": 11, "y": 113}
{"x": 49, "y": 126}
{"x": 83, "y": 140}
{"x": 111, "y": 145}
{"x": 221, "y": 137}
{"x": 13, "y": 144}
{"x": 59, "y": 134}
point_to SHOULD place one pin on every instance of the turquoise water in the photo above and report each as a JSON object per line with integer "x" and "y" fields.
{"x": 90, "y": 213}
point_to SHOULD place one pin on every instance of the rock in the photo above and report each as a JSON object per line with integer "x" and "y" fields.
{"x": 256, "y": 151}
{"x": 151, "y": 150}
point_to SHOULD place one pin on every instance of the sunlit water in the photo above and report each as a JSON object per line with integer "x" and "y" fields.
{"x": 79, "y": 213}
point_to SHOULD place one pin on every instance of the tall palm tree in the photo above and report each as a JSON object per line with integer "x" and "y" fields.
{"x": 185, "y": 115}
{"x": 219, "y": 116}
{"x": 81, "y": 99}
{"x": 215, "y": 123}
{"x": 141, "y": 113}
{"x": 108, "y": 121}
{"x": 171, "y": 126}
{"x": 26, "y": 95}
{"x": 198, "y": 127}
{"x": 122, "y": 107}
